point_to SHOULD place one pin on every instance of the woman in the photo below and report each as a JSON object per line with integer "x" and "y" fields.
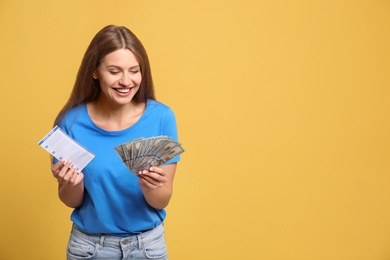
{"x": 117, "y": 215}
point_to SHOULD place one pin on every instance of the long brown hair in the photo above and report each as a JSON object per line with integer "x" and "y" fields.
{"x": 107, "y": 40}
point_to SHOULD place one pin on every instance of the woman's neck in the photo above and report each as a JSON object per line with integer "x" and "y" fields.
{"x": 115, "y": 117}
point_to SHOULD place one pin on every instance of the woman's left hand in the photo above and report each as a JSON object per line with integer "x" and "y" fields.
{"x": 157, "y": 184}
{"x": 153, "y": 178}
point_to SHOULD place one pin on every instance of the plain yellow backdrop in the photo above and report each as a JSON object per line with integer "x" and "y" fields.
{"x": 282, "y": 107}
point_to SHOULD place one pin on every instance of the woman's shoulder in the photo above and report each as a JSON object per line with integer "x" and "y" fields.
{"x": 71, "y": 116}
{"x": 154, "y": 104}
{"x": 156, "y": 110}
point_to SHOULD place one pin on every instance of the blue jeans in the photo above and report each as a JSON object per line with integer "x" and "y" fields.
{"x": 148, "y": 245}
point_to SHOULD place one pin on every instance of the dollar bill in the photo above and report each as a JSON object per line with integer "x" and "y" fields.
{"x": 142, "y": 153}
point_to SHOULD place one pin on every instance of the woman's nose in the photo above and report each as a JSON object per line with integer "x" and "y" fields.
{"x": 125, "y": 80}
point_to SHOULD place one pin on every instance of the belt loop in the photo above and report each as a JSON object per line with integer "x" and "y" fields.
{"x": 139, "y": 238}
{"x": 101, "y": 241}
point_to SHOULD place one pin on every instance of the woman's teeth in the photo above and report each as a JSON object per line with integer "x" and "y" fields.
{"x": 123, "y": 90}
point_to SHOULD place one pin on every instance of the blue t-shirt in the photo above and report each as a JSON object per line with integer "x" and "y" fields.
{"x": 113, "y": 201}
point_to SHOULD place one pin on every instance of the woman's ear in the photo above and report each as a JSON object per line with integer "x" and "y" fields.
{"x": 94, "y": 75}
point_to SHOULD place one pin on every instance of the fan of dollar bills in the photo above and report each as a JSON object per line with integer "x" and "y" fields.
{"x": 143, "y": 153}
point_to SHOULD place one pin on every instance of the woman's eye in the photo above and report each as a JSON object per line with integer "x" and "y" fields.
{"x": 114, "y": 72}
{"x": 134, "y": 71}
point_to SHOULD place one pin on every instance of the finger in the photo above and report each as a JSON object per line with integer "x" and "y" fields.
{"x": 158, "y": 174}
{"x": 152, "y": 177}
{"x": 152, "y": 181}
{"x": 55, "y": 169}
{"x": 144, "y": 181}
{"x": 69, "y": 174}
{"x": 157, "y": 170}
{"x": 64, "y": 169}
{"x": 66, "y": 173}
{"x": 58, "y": 165}
{"x": 73, "y": 178}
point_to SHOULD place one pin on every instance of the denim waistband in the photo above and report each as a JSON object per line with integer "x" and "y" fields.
{"x": 119, "y": 242}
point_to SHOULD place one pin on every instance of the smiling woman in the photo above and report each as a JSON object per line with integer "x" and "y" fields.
{"x": 113, "y": 102}
{"x": 119, "y": 78}
{"x": 109, "y": 40}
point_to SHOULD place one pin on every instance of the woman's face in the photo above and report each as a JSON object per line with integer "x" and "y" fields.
{"x": 119, "y": 75}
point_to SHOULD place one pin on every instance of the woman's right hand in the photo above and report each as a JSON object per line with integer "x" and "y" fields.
{"x": 65, "y": 174}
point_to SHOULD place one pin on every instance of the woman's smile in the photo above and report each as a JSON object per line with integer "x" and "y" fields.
{"x": 123, "y": 90}
{"x": 119, "y": 75}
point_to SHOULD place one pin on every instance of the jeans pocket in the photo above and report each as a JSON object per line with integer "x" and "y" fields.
{"x": 156, "y": 248}
{"x": 79, "y": 248}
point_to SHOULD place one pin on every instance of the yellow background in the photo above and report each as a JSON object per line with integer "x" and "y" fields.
{"x": 282, "y": 107}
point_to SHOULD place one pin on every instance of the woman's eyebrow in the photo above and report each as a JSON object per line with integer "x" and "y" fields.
{"x": 119, "y": 67}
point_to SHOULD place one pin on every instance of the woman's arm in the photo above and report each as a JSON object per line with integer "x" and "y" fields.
{"x": 70, "y": 184}
{"x": 157, "y": 184}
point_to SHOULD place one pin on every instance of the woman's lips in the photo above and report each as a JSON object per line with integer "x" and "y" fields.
{"x": 123, "y": 91}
